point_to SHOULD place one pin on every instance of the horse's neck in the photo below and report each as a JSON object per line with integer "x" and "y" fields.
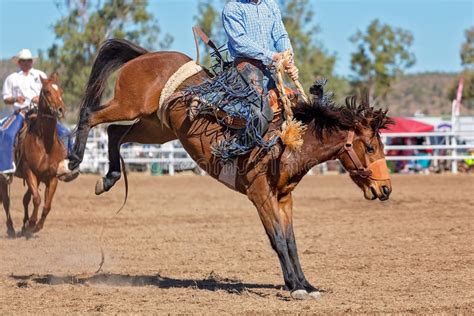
{"x": 313, "y": 152}
{"x": 47, "y": 130}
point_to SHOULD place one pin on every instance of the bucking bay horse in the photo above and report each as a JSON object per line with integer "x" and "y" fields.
{"x": 39, "y": 154}
{"x": 349, "y": 133}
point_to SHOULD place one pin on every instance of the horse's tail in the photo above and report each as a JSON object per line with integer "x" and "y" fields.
{"x": 112, "y": 54}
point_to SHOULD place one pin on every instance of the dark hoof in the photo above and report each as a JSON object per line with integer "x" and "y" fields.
{"x": 69, "y": 176}
{"x": 11, "y": 233}
{"x": 26, "y": 232}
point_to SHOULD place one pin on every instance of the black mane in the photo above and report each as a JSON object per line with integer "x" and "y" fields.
{"x": 329, "y": 116}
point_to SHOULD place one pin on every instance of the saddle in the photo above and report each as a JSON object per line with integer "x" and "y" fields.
{"x": 229, "y": 118}
{"x": 275, "y": 104}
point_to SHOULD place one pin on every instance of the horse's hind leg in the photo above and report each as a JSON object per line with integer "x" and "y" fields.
{"x": 5, "y": 199}
{"x": 115, "y": 133}
{"x": 146, "y": 131}
{"x": 111, "y": 112}
{"x": 48, "y": 200}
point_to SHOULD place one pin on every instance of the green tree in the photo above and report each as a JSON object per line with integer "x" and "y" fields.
{"x": 382, "y": 54}
{"x": 467, "y": 49}
{"x": 85, "y": 25}
{"x": 208, "y": 19}
{"x": 310, "y": 57}
{"x": 467, "y": 60}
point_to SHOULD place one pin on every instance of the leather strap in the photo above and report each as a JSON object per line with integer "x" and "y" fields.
{"x": 198, "y": 32}
{"x": 376, "y": 170}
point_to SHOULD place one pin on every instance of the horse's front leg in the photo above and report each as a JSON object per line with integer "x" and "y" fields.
{"x": 33, "y": 184}
{"x": 26, "y": 203}
{"x": 277, "y": 228}
{"x": 48, "y": 200}
{"x": 5, "y": 199}
{"x": 285, "y": 203}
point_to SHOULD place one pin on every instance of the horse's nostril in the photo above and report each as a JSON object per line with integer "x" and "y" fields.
{"x": 386, "y": 190}
{"x": 374, "y": 193}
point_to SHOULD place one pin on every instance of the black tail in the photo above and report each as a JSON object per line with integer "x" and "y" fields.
{"x": 112, "y": 55}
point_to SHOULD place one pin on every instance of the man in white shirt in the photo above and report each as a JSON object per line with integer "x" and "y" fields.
{"x": 21, "y": 89}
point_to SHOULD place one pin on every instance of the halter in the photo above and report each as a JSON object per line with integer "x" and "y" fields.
{"x": 48, "y": 105}
{"x": 376, "y": 170}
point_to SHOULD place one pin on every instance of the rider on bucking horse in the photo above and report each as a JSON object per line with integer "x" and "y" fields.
{"x": 257, "y": 41}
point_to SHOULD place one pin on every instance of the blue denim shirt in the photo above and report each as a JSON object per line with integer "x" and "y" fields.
{"x": 255, "y": 30}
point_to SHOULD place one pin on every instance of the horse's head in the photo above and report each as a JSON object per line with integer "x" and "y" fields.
{"x": 358, "y": 146}
{"x": 362, "y": 155}
{"x": 51, "y": 102}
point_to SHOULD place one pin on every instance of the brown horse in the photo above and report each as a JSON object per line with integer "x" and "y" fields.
{"x": 40, "y": 153}
{"x": 349, "y": 133}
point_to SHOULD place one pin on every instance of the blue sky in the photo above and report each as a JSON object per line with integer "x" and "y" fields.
{"x": 437, "y": 25}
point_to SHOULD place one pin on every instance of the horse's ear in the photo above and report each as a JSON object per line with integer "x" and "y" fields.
{"x": 54, "y": 77}
{"x": 43, "y": 80}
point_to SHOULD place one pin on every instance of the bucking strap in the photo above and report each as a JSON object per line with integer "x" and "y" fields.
{"x": 182, "y": 74}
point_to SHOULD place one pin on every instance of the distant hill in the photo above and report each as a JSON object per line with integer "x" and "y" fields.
{"x": 425, "y": 93}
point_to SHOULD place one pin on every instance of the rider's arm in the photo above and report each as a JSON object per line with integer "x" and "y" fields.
{"x": 7, "y": 92}
{"x": 279, "y": 33}
{"x": 238, "y": 38}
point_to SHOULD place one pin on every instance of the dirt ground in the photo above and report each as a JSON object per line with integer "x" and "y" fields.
{"x": 187, "y": 244}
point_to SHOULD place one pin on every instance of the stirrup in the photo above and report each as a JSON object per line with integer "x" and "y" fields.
{"x": 7, "y": 177}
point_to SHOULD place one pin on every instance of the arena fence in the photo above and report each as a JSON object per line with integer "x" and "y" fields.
{"x": 171, "y": 157}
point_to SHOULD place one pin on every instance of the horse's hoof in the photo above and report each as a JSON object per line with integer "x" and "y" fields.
{"x": 26, "y": 232}
{"x": 300, "y": 295}
{"x": 99, "y": 187}
{"x": 64, "y": 173}
{"x": 11, "y": 233}
{"x": 315, "y": 295}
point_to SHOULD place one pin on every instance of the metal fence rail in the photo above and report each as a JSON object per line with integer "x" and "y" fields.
{"x": 172, "y": 157}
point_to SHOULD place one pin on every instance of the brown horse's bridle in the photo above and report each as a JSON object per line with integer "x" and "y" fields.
{"x": 376, "y": 170}
{"x": 55, "y": 113}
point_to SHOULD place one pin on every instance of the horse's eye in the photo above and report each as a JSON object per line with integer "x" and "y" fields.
{"x": 370, "y": 149}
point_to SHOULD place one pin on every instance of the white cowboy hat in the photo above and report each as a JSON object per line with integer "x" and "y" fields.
{"x": 23, "y": 54}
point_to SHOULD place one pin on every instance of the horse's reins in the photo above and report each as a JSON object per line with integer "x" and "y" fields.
{"x": 279, "y": 71}
{"x": 376, "y": 170}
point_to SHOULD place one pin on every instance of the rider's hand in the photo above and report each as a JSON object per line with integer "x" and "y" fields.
{"x": 35, "y": 100}
{"x": 292, "y": 71}
{"x": 277, "y": 57}
{"x": 20, "y": 99}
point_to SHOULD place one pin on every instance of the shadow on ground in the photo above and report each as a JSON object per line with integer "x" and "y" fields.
{"x": 212, "y": 283}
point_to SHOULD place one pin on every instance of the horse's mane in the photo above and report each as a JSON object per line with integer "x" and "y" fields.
{"x": 328, "y": 116}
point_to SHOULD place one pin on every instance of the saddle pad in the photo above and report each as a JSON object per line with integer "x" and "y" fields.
{"x": 184, "y": 72}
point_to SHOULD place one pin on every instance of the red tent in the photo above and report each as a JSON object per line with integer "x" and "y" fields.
{"x": 404, "y": 125}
